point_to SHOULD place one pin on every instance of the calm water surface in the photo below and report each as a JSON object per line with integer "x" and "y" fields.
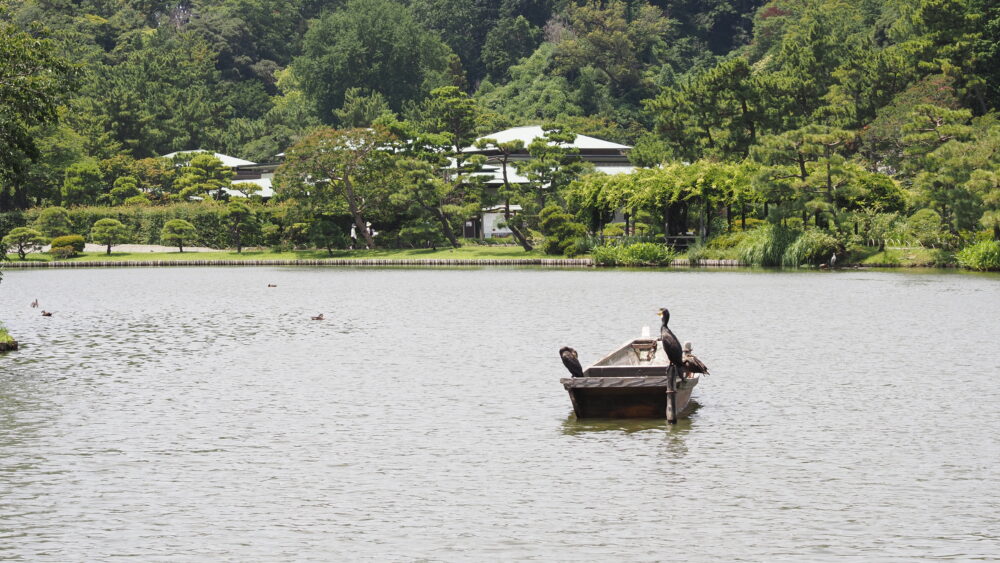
{"x": 189, "y": 414}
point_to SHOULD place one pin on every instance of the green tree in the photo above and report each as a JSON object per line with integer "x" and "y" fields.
{"x": 109, "y": 232}
{"x": 326, "y": 233}
{"x": 605, "y": 36}
{"x": 361, "y": 109}
{"x": 23, "y": 240}
{"x": 203, "y": 175}
{"x": 330, "y": 170}
{"x": 806, "y": 169}
{"x": 554, "y": 162}
{"x": 83, "y": 183}
{"x": 508, "y": 191}
{"x": 54, "y": 222}
{"x": 511, "y": 40}
{"x": 560, "y": 230}
{"x": 372, "y": 44}
{"x": 31, "y": 84}
{"x": 177, "y": 231}
{"x": 718, "y": 112}
{"x": 241, "y": 219}
{"x": 462, "y": 25}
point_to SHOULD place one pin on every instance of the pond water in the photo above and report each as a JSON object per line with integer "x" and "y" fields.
{"x": 188, "y": 414}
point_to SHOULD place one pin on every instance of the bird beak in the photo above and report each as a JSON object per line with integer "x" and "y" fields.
{"x": 659, "y": 313}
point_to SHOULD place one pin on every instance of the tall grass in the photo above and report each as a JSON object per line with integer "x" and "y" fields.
{"x": 766, "y": 245}
{"x": 983, "y": 255}
{"x": 811, "y": 247}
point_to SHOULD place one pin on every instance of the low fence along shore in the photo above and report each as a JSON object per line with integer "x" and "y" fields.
{"x": 548, "y": 262}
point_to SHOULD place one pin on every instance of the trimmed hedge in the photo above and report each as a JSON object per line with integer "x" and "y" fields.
{"x": 75, "y": 241}
{"x": 145, "y": 224}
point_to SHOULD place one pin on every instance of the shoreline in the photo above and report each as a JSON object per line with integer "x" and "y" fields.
{"x": 549, "y": 262}
{"x": 425, "y": 262}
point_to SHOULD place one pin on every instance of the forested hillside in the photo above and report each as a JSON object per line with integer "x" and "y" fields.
{"x": 846, "y": 116}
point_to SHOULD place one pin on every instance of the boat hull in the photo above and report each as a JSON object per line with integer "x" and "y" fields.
{"x": 626, "y": 397}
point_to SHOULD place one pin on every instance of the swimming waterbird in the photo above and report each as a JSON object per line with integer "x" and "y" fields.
{"x": 318, "y": 317}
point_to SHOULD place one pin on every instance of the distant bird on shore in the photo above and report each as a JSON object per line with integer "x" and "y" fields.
{"x": 318, "y": 317}
{"x": 571, "y": 361}
{"x": 670, "y": 343}
{"x": 691, "y": 362}
{"x": 46, "y": 313}
{"x": 34, "y": 304}
{"x": 833, "y": 259}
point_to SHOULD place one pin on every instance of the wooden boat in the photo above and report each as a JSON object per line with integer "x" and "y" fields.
{"x": 634, "y": 381}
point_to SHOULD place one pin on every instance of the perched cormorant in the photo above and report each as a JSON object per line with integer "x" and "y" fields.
{"x": 691, "y": 362}
{"x": 670, "y": 343}
{"x": 34, "y": 304}
{"x": 318, "y": 317}
{"x": 571, "y": 361}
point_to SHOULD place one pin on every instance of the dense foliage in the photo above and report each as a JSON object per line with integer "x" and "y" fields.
{"x": 838, "y": 123}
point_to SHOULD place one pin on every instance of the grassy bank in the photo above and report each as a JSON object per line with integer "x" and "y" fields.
{"x": 463, "y": 253}
{"x": 902, "y": 257}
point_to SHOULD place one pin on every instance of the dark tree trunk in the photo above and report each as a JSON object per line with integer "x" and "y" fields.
{"x": 359, "y": 220}
{"x": 446, "y": 227}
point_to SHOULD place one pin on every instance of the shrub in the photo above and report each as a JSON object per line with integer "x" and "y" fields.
{"x": 811, "y": 247}
{"x": 560, "y": 231}
{"x": 76, "y": 241}
{"x": 646, "y": 254}
{"x": 605, "y": 255}
{"x": 62, "y": 252}
{"x": 983, "y": 255}
{"x": 697, "y": 253}
{"x": 639, "y": 254}
{"x": 765, "y": 246}
{"x": 728, "y": 240}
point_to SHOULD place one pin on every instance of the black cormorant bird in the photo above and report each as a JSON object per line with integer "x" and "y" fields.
{"x": 46, "y": 313}
{"x": 670, "y": 343}
{"x": 571, "y": 361}
{"x": 691, "y": 362}
{"x": 318, "y": 317}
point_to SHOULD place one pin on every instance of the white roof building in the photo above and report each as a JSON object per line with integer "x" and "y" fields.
{"x": 529, "y": 133}
{"x": 607, "y": 157}
{"x": 227, "y": 161}
{"x": 245, "y": 171}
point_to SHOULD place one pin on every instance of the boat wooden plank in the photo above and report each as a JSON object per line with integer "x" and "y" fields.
{"x": 626, "y": 371}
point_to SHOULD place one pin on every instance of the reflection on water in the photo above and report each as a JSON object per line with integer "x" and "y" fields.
{"x": 573, "y": 425}
{"x": 196, "y": 414}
